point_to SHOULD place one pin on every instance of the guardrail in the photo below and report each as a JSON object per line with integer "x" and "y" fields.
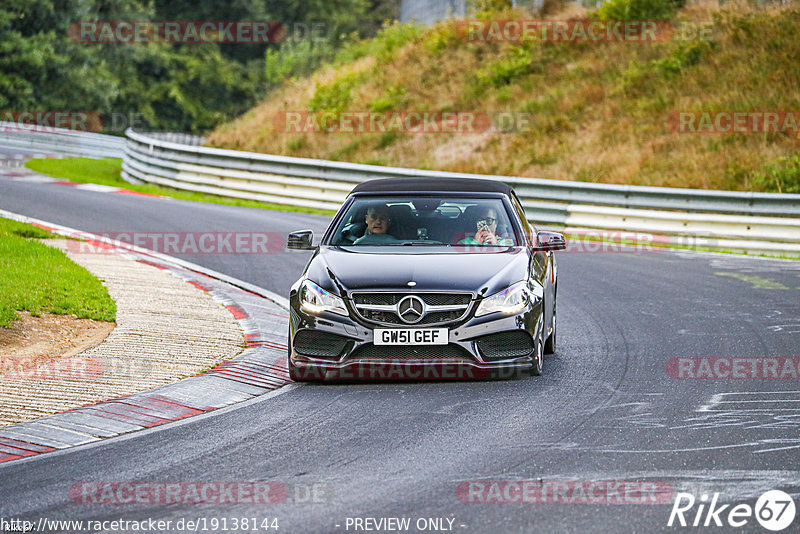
{"x": 60, "y": 141}
{"x": 757, "y": 222}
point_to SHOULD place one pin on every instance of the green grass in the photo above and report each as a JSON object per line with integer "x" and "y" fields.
{"x": 39, "y": 279}
{"x": 81, "y": 170}
{"x": 107, "y": 172}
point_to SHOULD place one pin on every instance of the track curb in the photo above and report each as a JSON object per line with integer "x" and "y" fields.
{"x": 259, "y": 369}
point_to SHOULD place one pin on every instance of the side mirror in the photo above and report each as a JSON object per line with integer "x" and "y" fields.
{"x": 550, "y": 241}
{"x": 300, "y": 240}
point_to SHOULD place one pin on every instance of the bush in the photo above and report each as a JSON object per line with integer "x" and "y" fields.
{"x": 387, "y": 139}
{"x": 295, "y": 59}
{"x": 683, "y": 55}
{"x": 393, "y": 98}
{"x": 336, "y": 95}
{"x": 389, "y": 39}
{"x": 638, "y": 9}
{"x": 504, "y": 71}
{"x": 780, "y": 176}
{"x": 491, "y": 6}
{"x": 445, "y": 36}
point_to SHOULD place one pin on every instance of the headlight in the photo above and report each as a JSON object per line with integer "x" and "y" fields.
{"x": 510, "y": 300}
{"x": 316, "y": 300}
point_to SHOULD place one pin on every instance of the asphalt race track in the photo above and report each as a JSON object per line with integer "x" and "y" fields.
{"x": 606, "y": 410}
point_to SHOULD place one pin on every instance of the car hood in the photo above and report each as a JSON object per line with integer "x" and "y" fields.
{"x": 358, "y": 268}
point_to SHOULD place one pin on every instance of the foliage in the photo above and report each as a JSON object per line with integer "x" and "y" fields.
{"x": 335, "y": 96}
{"x": 392, "y": 98}
{"x": 507, "y": 68}
{"x": 170, "y": 86}
{"x": 296, "y": 58}
{"x": 587, "y": 111}
{"x": 638, "y": 9}
{"x": 391, "y": 37}
{"x": 780, "y": 176}
{"x": 683, "y": 55}
{"x": 488, "y": 6}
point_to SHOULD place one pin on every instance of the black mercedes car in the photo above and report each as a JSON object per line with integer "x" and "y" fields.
{"x": 424, "y": 279}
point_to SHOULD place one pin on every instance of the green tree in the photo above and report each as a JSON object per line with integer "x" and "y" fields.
{"x": 174, "y": 86}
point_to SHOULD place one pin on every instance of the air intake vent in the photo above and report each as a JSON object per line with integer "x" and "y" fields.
{"x": 319, "y": 344}
{"x": 505, "y": 345}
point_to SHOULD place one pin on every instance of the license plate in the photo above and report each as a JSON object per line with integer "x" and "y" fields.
{"x": 411, "y": 336}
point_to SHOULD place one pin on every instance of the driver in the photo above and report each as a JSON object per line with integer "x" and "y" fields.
{"x": 377, "y": 232}
{"x": 487, "y": 231}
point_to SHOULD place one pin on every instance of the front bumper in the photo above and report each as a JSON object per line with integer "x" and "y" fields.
{"x": 334, "y": 347}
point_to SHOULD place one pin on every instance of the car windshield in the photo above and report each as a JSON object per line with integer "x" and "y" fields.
{"x": 421, "y": 221}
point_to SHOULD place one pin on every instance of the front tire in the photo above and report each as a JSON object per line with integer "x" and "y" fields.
{"x": 538, "y": 358}
{"x": 550, "y": 344}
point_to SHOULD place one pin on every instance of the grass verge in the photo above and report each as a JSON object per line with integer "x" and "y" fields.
{"x": 108, "y": 172}
{"x": 577, "y": 110}
{"x": 39, "y": 279}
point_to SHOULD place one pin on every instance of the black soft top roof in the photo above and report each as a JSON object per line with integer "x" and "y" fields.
{"x": 412, "y": 185}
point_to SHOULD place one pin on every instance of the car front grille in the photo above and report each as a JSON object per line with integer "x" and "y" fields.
{"x": 440, "y": 308}
{"x": 505, "y": 345}
{"x": 319, "y": 344}
{"x": 391, "y": 318}
{"x": 428, "y": 353}
{"x": 431, "y": 299}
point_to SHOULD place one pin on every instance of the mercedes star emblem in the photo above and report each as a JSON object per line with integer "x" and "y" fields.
{"x": 411, "y": 309}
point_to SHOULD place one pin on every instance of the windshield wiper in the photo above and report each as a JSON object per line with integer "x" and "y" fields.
{"x": 424, "y": 244}
{"x": 402, "y": 244}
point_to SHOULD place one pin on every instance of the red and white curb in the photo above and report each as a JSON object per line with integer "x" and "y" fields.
{"x": 259, "y": 369}
{"x": 22, "y": 174}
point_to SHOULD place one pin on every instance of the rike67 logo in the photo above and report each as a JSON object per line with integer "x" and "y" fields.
{"x": 774, "y": 510}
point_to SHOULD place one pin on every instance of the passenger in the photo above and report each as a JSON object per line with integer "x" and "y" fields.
{"x": 377, "y": 232}
{"x": 487, "y": 231}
